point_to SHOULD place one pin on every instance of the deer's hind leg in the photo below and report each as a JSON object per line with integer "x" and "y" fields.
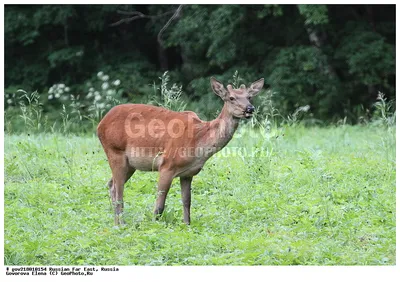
{"x": 121, "y": 172}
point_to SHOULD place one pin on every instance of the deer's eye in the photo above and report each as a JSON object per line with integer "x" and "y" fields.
{"x": 231, "y": 98}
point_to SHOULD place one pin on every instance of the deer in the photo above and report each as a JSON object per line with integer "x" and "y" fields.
{"x": 175, "y": 144}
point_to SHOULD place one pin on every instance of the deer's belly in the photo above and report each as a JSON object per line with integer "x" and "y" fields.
{"x": 144, "y": 160}
{"x": 191, "y": 169}
{"x": 151, "y": 161}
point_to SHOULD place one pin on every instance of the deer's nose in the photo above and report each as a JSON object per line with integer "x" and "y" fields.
{"x": 250, "y": 109}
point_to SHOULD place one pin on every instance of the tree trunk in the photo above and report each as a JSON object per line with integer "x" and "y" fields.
{"x": 162, "y": 57}
{"x": 318, "y": 39}
{"x": 372, "y": 91}
{"x": 370, "y": 16}
{"x": 66, "y": 39}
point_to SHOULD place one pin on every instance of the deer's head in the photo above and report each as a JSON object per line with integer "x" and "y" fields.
{"x": 238, "y": 101}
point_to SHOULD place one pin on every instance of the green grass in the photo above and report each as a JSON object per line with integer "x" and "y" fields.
{"x": 308, "y": 196}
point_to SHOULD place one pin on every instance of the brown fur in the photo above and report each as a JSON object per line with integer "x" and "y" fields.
{"x": 176, "y": 144}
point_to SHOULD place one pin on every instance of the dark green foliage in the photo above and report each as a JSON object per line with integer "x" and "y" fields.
{"x": 375, "y": 64}
{"x": 334, "y": 58}
{"x": 308, "y": 86}
{"x": 314, "y": 14}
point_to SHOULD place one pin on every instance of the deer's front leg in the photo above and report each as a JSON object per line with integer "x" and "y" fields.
{"x": 186, "y": 183}
{"x": 164, "y": 183}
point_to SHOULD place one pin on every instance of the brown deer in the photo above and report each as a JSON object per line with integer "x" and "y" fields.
{"x": 176, "y": 144}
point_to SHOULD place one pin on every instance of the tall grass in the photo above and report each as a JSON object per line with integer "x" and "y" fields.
{"x": 169, "y": 97}
{"x": 385, "y": 113}
{"x": 32, "y": 111}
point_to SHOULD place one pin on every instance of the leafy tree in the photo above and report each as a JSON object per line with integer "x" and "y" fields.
{"x": 334, "y": 58}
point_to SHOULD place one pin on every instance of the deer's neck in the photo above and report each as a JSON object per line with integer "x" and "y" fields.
{"x": 221, "y": 130}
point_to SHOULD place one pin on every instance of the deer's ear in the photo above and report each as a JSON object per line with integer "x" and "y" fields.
{"x": 218, "y": 88}
{"x": 256, "y": 87}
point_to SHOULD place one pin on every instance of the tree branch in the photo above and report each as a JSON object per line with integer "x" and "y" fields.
{"x": 135, "y": 15}
{"x": 174, "y": 16}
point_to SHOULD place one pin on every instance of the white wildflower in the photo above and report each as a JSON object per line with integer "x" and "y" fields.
{"x": 104, "y": 86}
{"x": 9, "y": 101}
{"x": 97, "y": 98}
{"x": 90, "y": 95}
{"x": 96, "y": 93}
{"x": 117, "y": 82}
{"x": 91, "y": 89}
{"x": 50, "y": 97}
{"x": 51, "y": 90}
{"x": 57, "y": 95}
{"x": 61, "y": 85}
{"x": 101, "y": 105}
{"x": 100, "y": 74}
{"x": 105, "y": 78}
{"x": 110, "y": 92}
{"x": 66, "y": 89}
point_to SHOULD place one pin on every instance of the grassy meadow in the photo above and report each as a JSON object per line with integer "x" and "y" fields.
{"x": 293, "y": 196}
